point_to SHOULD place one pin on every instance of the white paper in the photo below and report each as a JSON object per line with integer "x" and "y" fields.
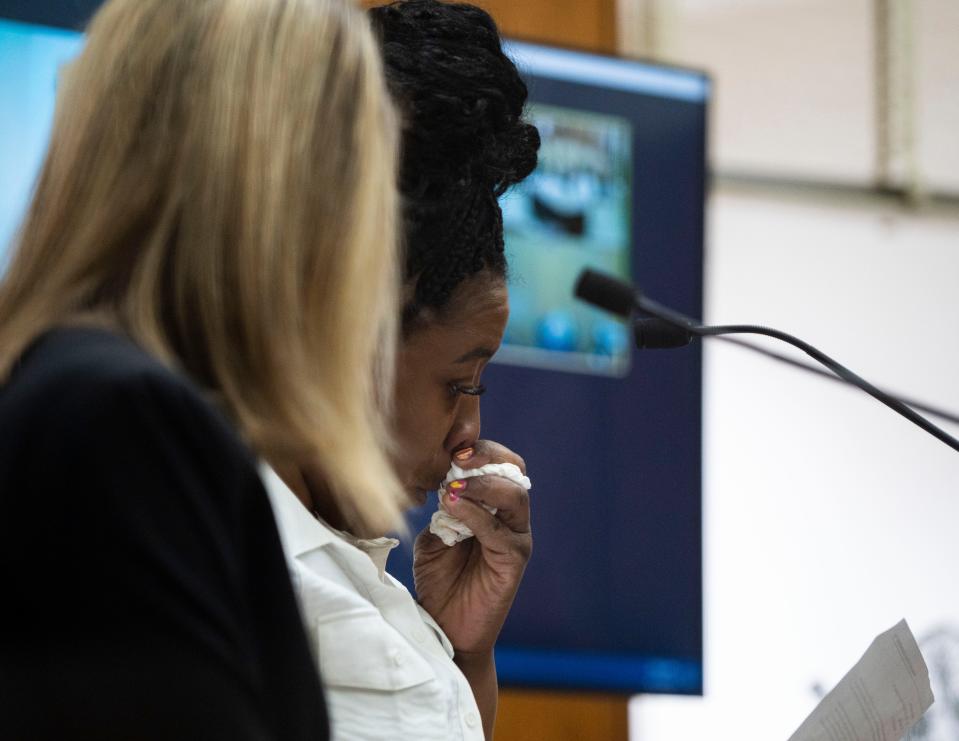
{"x": 879, "y": 699}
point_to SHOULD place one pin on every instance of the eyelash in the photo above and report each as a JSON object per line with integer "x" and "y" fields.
{"x": 459, "y": 388}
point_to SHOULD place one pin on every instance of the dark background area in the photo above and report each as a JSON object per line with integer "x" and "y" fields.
{"x": 72, "y": 14}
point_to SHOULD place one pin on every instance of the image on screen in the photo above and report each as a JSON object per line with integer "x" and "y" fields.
{"x": 572, "y": 212}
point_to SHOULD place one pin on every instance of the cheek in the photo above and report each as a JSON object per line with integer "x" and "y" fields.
{"x": 421, "y": 428}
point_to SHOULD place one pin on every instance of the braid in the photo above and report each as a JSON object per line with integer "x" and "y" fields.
{"x": 464, "y": 141}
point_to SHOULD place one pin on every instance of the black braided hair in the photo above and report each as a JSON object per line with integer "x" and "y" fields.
{"x": 464, "y": 141}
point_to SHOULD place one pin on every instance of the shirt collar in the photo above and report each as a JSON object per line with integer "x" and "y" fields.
{"x": 378, "y": 549}
{"x": 301, "y": 532}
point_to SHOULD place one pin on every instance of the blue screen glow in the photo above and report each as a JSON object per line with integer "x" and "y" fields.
{"x": 31, "y": 58}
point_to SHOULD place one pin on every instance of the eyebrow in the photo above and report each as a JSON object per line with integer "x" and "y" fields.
{"x": 478, "y": 353}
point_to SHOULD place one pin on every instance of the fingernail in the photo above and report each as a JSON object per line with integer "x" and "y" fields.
{"x": 452, "y": 497}
{"x": 464, "y": 455}
{"x": 457, "y": 485}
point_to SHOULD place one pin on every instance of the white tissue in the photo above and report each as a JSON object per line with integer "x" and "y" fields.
{"x": 451, "y": 530}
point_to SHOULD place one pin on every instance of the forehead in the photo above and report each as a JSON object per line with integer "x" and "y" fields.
{"x": 479, "y": 297}
{"x": 475, "y": 316}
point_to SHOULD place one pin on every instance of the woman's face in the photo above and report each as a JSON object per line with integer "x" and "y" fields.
{"x": 433, "y": 420}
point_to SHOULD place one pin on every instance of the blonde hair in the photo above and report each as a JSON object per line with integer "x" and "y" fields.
{"x": 220, "y": 184}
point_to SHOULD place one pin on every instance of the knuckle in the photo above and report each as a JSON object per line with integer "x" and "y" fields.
{"x": 476, "y": 486}
{"x": 488, "y": 451}
{"x": 520, "y": 463}
{"x": 492, "y": 525}
{"x": 523, "y": 547}
{"x": 515, "y": 497}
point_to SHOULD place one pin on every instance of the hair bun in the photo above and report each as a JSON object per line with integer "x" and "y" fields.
{"x": 461, "y": 97}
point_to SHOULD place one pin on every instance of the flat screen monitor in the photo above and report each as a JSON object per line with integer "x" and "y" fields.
{"x": 612, "y": 599}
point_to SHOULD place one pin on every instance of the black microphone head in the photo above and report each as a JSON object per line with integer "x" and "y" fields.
{"x": 606, "y": 292}
{"x": 658, "y": 334}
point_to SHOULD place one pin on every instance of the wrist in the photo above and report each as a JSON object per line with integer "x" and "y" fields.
{"x": 481, "y": 659}
{"x": 479, "y": 668}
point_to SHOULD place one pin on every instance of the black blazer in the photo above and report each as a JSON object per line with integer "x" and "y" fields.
{"x": 143, "y": 590}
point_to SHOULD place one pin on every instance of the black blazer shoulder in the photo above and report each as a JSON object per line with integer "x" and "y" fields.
{"x": 75, "y": 386}
{"x": 139, "y": 548}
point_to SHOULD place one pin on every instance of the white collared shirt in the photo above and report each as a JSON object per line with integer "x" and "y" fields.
{"x": 387, "y": 667}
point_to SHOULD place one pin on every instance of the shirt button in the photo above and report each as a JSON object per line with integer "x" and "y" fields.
{"x": 472, "y": 719}
{"x": 419, "y": 635}
{"x": 397, "y": 658}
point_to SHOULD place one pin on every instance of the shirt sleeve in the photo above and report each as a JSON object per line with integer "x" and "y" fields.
{"x": 146, "y": 592}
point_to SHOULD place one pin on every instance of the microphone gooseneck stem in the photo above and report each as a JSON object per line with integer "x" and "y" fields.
{"x": 680, "y": 320}
{"x": 919, "y": 406}
{"x": 616, "y": 296}
{"x": 844, "y": 373}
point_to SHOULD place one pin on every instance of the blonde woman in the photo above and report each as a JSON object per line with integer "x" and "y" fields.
{"x": 206, "y": 277}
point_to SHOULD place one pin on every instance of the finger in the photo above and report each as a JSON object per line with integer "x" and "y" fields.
{"x": 428, "y": 542}
{"x": 487, "y": 451}
{"x": 489, "y": 530}
{"x": 509, "y": 498}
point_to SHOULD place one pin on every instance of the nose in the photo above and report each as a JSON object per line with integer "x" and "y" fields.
{"x": 465, "y": 430}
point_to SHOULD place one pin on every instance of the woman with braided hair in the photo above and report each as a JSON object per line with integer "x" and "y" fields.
{"x": 393, "y": 668}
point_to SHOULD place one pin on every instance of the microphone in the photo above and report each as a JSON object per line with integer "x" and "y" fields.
{"x": 606, "y": 292}
{"x": 658, "y": 334}
{"x": 670, "y": 328}
{"x": 618, "y": 297}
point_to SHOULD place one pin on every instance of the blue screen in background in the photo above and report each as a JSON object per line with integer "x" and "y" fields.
{"x": 31, "y": 58}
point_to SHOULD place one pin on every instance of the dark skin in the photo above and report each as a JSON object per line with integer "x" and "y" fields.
{"x": 467, "y": 588}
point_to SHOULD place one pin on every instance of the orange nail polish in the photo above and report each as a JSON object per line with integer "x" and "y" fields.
{"x": 464, "y": 455}
{"x": 458, "y": 485}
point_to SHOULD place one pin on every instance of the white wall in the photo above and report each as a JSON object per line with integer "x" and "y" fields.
{"x": 827, "y": 516}
{"x": 795, "y": 84}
